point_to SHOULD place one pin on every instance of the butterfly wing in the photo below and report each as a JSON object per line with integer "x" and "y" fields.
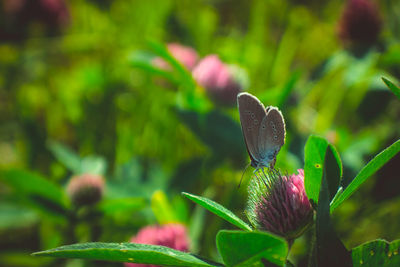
{"x": 251, "y": 112}
{"x": 271, "y": 136}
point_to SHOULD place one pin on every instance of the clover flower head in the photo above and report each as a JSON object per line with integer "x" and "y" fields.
{"x": 218, "y": 79}
{"x": 279, "y": 204}
{"x": 85, "y": 189}
{"x": 360, "y": 23}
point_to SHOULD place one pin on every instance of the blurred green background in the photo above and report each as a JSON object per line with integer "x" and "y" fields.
{"x": 78, "y": 94}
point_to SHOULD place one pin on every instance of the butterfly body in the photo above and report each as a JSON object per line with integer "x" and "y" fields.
{"x": 263, "y": 130}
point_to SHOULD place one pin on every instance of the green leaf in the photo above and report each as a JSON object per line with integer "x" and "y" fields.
{"x": 127, "y": 252}
{"x": 76, "y": 164}
{"x": 128, "y": 180}
{"x": 218, "y": 210}
{"x": 66, "y": 156}
{"x": 143, "y": 60}
{"x": 162, "y": 208}
{"x": 21, "y": 258}
{"x": 314, "y": 154}
{"x": 196, "y": 227}
{"x": 395, "y": 89}
{"x": 188, "y": 95}
{"x": 326, "y": 238}
{"x": 36, "y": 192}
{"x": 93, "y": 165}
{"x": 238, "y": 248}
{"x": 34, "y": 186}
{"x": 287, "y": 89}
{"x": 315, "y": 151}
{"x": 126, "y": 204}
{"x": 373, "y": 166}
{"x": 184, "y": 74}
{"x": 218, "y": 131}
{"x": 15, "y": 216}
{"x": 377, "y": 253}
{"x": 332, "y": 170}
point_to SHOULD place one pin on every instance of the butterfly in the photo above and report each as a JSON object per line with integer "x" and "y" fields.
{"x": 263, "y": 130}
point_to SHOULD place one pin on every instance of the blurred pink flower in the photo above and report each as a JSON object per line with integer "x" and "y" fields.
{"x": 170, "y": 235}
{"x": 85, "y": 189}
{"x": 18, "y": 15}
{"x": 47, "y": 11}
{"x": 56, "y": 10}
{"x": 360, "y": 23}
{"x": 279, "y": 204}
{"x": 12, "y": 6}
{"x": 217, "y": 79}
{"x": 187, "y": 56}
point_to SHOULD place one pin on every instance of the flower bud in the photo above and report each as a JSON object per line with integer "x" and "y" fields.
{"x": 218, "y": 80}
{"x": 187, "y": 56}
{"x": 360, "y": 23}
{"x": 279, "y": 204}
{"x": 85, "y": 189}
{"x": 169, "y": 235}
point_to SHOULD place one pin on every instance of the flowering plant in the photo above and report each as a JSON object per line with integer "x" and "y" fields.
{"x": 280, "y": 208}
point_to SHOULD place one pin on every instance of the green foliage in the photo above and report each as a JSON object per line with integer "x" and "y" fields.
{"x": 373, "y": 166}
{"x": 326, "y": 238}
{"x": 395, "y": 89}
{"x": 315, "y": 153}
{"x": 134, "y": 179}
{"x": 251, "y": 248}
{"x": 76, "y": 164}
{"x": 143, "y": 60}
{"x": 126, "y": 205}
{"x": 218, "y": 131}
{"x": 287, "y": 89}
{"x": 12, "y": 216}
{"x": 162, "y": 208}
{"x": 185, "y": 76}
{"x": 218, "y": 210}
{"x": 66, "y": 156}
{"x": 93, "y": 165}
{"x": 127, "y": 252}
{"x": 36, "y": 191}
{"x": 80, "y": 93}
{"x": 377, "y": 253}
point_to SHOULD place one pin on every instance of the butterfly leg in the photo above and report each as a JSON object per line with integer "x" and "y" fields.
{"x": 272, "y": 164}
{"x": 264, "y": 173}
{"x": 260, "y": 180}
{"x": 269, "y": 173}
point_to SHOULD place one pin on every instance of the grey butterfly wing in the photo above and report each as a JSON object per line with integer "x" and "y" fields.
{"x": 251, "y": 112}
{"x": 271, "y": 136}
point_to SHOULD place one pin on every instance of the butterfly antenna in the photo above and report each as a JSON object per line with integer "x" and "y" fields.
{"x": 243, "y": 174}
